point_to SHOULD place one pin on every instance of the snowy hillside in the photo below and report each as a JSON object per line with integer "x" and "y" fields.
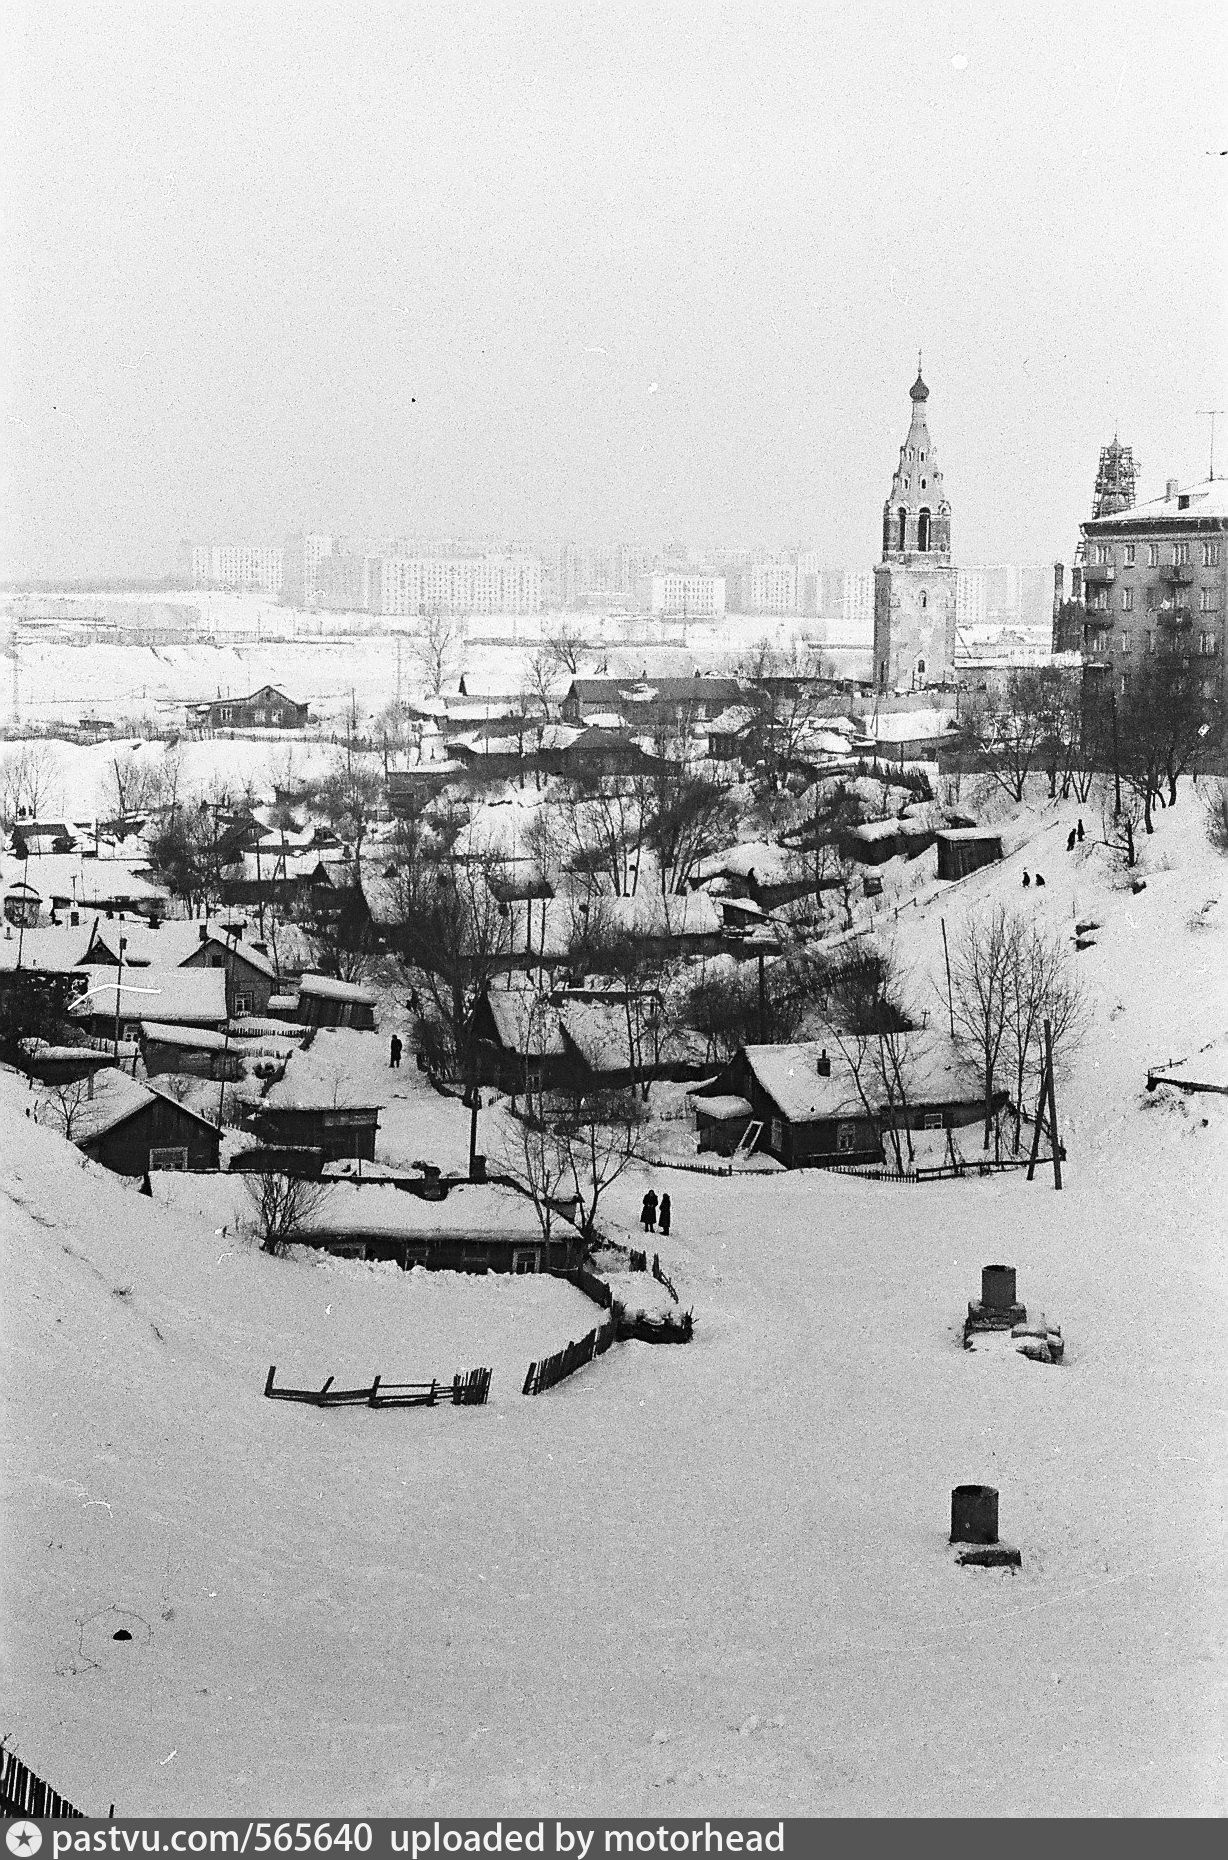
{"x": 711, "y": 1579}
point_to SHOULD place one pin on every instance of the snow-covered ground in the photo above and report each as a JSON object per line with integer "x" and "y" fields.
{"x": 711, "y": 1579}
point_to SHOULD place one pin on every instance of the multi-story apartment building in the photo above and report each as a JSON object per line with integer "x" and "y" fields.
{"x": 1155, "y": 580}
{"x": 971, "y": 597}
{"x": 683, "y": 594}
{"x": 487, "y": 584}
{"x": 302, "y": 557}
{"x": 231, "y": 565}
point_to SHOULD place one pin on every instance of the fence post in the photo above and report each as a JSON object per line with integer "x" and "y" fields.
{"x": 371, "y": 1398}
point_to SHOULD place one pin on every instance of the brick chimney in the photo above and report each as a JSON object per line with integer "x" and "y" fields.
{"x": 823, "y": 1065}
{"x": 1170, "y": 490}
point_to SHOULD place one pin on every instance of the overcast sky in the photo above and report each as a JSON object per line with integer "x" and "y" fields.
{"x": 581, "y": 270}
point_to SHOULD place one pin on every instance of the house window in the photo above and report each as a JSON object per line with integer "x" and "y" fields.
{"x": 131, "y": 1030}
{"x": 1153, "y": 599}
{"x": 1206, "y": 644}
{"x": 1207, "y": 602}
{"x": 932, "y": 1120}
{"x": 524, "y": 1259}
{"x": 778, "y": 1135}
{"x": 846, "y": 1138}
{"x": 1210, "y": 555}
{"x": 1129, "y": 555}
{"x": 1125, "y": 642}
{"x": 1127, "y": 600}
{"x": 1104, "y": 555}
{"x": 172, "y": 1157}
{"x": 1125, "y": 683}
{"x": 1153, "y": 555}
{"x": 244, "y": 1001}
{"x": 1151, "y": 642}
{"x": 1181, "y": 555}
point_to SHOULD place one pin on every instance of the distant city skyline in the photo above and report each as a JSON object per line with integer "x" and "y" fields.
{"x": 614, "y": 272}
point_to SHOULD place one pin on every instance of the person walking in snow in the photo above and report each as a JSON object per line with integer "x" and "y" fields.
{"x": 1040, "y": 878}
{"x": 1070, "y": 840}
{"x": 1079, "y": 829}
{"x": 394, "y": 1053}
{"x": 663, "y": 1215}
{"x": 1026, "y": 880}
{"x": 648, "y": 1213}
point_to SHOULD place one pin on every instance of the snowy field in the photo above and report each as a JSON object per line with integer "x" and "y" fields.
{"x": 61, "y": 683}
{"x": 697, "y": 1580}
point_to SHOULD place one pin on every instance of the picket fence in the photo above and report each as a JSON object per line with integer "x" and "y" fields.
{"x": 467, "y": 1390}
{"x": 26, "y": 1797}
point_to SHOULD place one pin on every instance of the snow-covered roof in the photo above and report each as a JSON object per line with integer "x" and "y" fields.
{"x": 992, "y": 834}
{"x": 673, "y": 914}
{"x": 732, "y": 720}
{"x": 525, "y": 1022}
{"x": 192, "y": 996}
{"x": 723, "y": 1107}
{"x": 173, "y": 943}
{"x": 770, "y": 864}
{"x": 1206, "y": 498}
{"x": 479, "y": 1209}
{"x": 54, "y": 948}
{"x": 907, "y": 726}
{"x": 86, "y": 882}
{"x": 193, "y": 1039}
{"x": 791, "y": 1078}
{"x": 328, "y": 988}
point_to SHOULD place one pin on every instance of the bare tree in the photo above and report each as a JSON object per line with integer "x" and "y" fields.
{"x": 1041, "y": 986}
{"x": 1119, "y": 825}
{"x": 349, "y": 796}
{"x": 456, "y": 935}
{"x": 983, "y": 958}
{"x": 1215, "y": 805}
{"x": 1013, "y": 726}
{"x": 564, "y": 647}
{"x": 599, "y": 1140}
{"x": 283, "y": 1206}
{"x": 439, "y": 648}
{"x": 30, "y": 782}
{"x": 63, "y": 1102}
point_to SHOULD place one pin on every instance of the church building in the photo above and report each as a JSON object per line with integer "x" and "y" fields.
{"x": 914, "y": 584}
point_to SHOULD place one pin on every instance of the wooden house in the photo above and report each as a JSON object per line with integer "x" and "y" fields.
{"x": 325, "y": 1002}
{"x": 131, "y": 1128}
{"x": 22, "y": 905}
{"x": 804, "y": 1104}
{"x": 177, "y": 997}
{"x": 195, "y": 1050}
{"x": 335, "y": 1130}
{"x": 265, "y": 709}
{"x": 468, "y": 1227}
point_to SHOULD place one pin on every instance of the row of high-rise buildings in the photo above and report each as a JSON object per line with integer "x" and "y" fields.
{"x": 407, "y": 577}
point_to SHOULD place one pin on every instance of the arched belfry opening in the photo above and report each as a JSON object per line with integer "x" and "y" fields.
{"x": 903, "y": 519}
{"x": 923, "y": 531}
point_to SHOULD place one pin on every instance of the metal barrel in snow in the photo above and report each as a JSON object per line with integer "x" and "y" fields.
{"x": 997, "y": 1287}
{"x": 974, "y": 1514}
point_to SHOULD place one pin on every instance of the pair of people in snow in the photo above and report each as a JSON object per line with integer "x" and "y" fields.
{"x": 655, "y": 1216}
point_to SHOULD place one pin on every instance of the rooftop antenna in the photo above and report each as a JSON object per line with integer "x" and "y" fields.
{"x": 1210, "y": 413}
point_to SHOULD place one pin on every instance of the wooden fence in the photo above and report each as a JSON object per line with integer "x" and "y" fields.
{"x": 467, "y": 1390}
{"x": 940, "y": 1172}
{"x": 565, "y": 1363}
{"x": 662, "y": 1277}
{"x": 25, "y": 1796}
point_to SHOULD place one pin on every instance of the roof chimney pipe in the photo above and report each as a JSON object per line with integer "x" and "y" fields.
{"x": 823, "y": 1065}
{"x": 1170, "y": 490}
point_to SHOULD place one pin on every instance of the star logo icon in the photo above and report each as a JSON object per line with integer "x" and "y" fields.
{"x": 23, "y": 1839}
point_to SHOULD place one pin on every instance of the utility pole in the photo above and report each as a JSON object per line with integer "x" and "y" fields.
{"x": 1211, "y": 413}
{"x": 947, "y": 957}
{"x": 119, "y": 988}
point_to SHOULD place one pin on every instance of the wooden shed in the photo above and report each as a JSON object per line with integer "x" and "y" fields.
{"x": 335, "y": 1130}
{"x": 325, "y": 1002}
{"x": 131, "y": 1128}
{"x": 966, "y": 849}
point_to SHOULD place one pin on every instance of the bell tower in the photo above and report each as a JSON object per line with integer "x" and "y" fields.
{"x": 914, "y": 584}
